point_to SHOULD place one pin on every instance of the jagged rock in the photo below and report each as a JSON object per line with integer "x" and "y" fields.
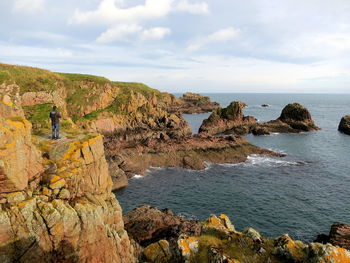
{"x": 146, "y": 224}
{"x": 158, "y": 252}
{"x": 20, "y": 162}
{"x": 344, "y": 125}
{"x": 253, "y": 234}
{"x": 294, "y": 118}
{"x": 229, "y": 118}
{"x": 289, "y": 249}
{"x": 220, "y": 223}
{"x": 79, "y": 223}
{"x": 188, "y": 246}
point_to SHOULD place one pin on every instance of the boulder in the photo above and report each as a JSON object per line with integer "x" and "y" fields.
{"x": 298, "y": 117}
{"x": 340, "y": 235}
{"x": 146, "y": 224}
{"x": 344, "y": 125}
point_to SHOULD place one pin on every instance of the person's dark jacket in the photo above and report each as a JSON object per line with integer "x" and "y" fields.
{"x": 55, "y": 117}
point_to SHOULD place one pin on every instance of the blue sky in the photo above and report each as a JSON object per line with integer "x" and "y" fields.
{"x": 186, "y": 45}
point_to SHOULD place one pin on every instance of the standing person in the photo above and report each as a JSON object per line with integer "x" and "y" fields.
{"x": 55, "y": 121}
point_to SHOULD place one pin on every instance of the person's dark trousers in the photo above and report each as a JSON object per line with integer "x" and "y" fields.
{"x": 55, "y": 131}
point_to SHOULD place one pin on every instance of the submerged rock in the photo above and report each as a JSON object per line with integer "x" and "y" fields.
{"x": 344, "y": 125}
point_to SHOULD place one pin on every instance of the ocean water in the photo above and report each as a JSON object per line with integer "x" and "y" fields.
{"x": 301, "y": 194}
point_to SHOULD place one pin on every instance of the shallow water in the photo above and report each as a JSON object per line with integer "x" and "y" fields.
{"x": 301, "y": 194}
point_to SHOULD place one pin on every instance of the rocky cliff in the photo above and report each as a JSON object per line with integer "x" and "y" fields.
{"x": 56, "y": 203}
{"x": 294, "y": 118}
{"x": 216, "y": 240}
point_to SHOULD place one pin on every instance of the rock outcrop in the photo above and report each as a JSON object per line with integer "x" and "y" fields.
{"x": 294, "y": 118}
{"x": 146, "y": 224}
{"x": 339, "y": 235}
{"x": 219, "y": 241}
{"x": 191, "y": 103}
{"x": 344, "y": 125}
{"x": 230, "y": 119}
{"x": 189, "y": 152}
{"x": 56, "y": 206}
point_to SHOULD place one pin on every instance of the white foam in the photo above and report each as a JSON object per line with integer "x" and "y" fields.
{"x": 265, "y": 160}
{"x": 138, "y": 176}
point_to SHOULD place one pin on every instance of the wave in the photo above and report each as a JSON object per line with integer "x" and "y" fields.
{"x": 265, "y": 160}
{"x": 138, "y": 176}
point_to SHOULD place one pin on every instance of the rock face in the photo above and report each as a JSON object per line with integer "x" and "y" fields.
{"x": 220, "y": 242}
{"x": 191, "y": 103}
{"x": 297, "y": 117}
{"x": 59, "y": 207}
{"x": 340, "y": 235}
{"x": 294, "y": 118}
{"x": 344, "y": 125}
{"x": 230, "y": 118}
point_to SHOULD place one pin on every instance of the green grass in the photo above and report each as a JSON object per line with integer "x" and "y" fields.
{"x": 29, "y": 78}
{"x": 85, "y": 77}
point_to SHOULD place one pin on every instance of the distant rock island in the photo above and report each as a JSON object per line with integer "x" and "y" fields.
{"x": 344, "y": 125}
{"x": 56, "y": 200}
{"x": 294, "y": 118}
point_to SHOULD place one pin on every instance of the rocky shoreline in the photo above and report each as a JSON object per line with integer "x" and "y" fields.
{"x": 167, "y": 237}
{"x": 56, "y": 200}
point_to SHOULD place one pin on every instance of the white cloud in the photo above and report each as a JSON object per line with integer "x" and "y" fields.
{"x": 155, "y": 33}
{"x": 110, "y": 12}
{"x": 118, "y": 33}
{"x": 28, "y": 6}
{"x": 222, "y": 35}
{"x": 194, "y": 8}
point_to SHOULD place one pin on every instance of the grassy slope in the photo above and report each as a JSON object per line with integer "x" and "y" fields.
{"x": 35, "y": 79}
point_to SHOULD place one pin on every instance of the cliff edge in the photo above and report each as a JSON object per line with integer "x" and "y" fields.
{"x": 56, "y": 203}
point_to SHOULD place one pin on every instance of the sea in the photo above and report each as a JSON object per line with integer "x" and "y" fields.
{"x": 302, "y": 194}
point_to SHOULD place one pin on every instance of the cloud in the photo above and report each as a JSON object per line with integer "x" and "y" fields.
{"x": 118, "y": 33}
{"x": 110, "y": 12}
{"x": 155, "y": 33}
{"x": 221, "y": 35}
{"x": 194, "y": 8}
{"x": 28, "y": 6}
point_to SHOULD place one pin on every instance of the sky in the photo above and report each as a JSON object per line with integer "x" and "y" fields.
{"x": 281, "y": 46}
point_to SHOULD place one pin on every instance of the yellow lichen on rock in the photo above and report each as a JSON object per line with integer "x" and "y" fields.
{"x": 188, "y": 246}
{"x": 221, "y": 223}
{"x": 158, "y": 252}
{"x": 57, "y": 182}
{"x": 319, "y": 253}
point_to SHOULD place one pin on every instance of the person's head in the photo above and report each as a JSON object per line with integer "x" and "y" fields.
{"x": 54, "y": 108}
